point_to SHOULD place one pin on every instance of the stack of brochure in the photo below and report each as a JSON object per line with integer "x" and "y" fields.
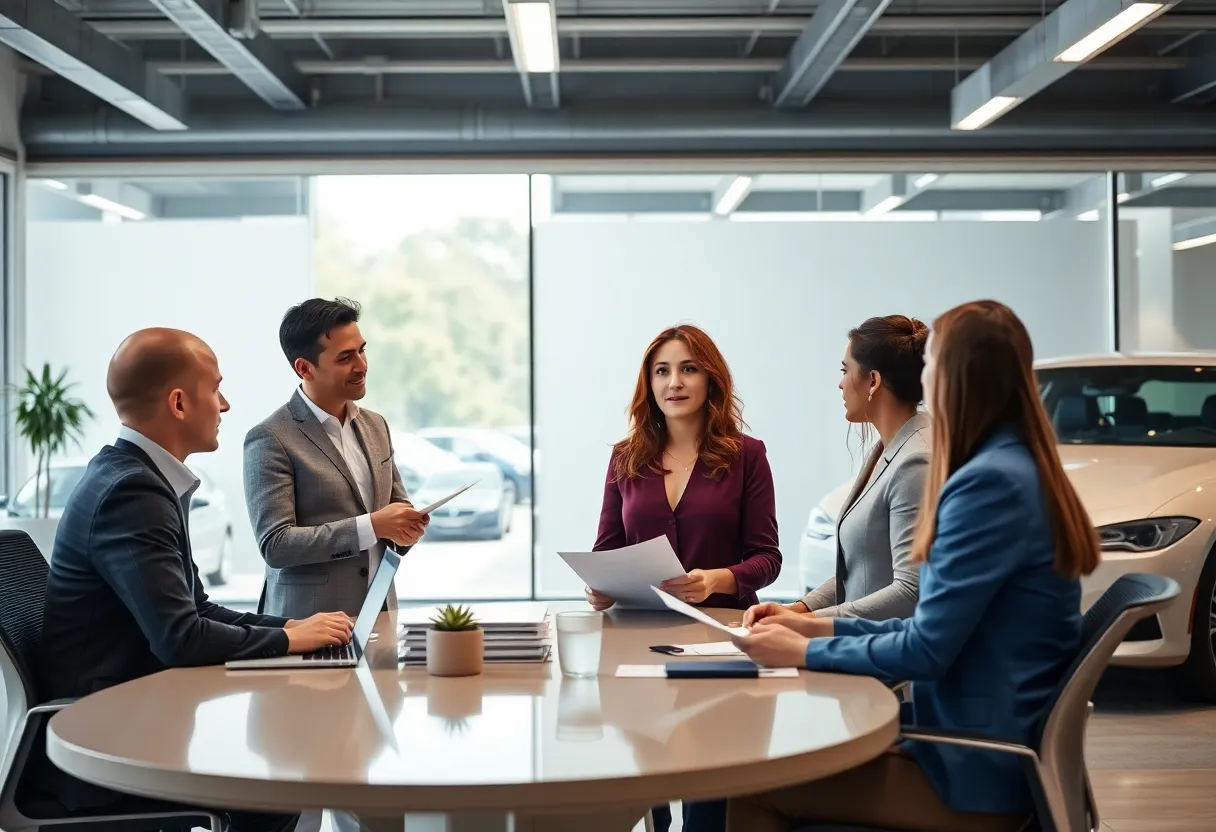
{"x": 513, "y": 632}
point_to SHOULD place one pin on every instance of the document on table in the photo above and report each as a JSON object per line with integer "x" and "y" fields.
{"x": 692, "y": 612}
{"x": 451, "y": 496}
{"x": 658, "y": 671}
{"x": 627, "y": 574}
{"x": 714, "y": 648}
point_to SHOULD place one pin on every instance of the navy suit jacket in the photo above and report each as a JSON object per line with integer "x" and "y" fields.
{"x": 994, "y": 629}
{"x": 124, "y": 598}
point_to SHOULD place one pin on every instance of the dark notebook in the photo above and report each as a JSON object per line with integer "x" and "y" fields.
{"x": 712, "y": 670}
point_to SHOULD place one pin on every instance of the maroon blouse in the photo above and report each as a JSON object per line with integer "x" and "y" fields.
{"x": 727, "y": 522}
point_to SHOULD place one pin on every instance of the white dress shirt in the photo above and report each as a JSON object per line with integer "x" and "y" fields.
{"x": 181, "y": 479}
{"x": 342, "y": 434}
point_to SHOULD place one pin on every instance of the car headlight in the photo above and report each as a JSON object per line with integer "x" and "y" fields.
{"x": 1147, "y": 535}
{"x": 820, "y": 525}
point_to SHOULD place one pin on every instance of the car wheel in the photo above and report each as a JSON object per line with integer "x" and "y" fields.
{"x": 1195, "y": 679}
{"x": 223, "y": 570}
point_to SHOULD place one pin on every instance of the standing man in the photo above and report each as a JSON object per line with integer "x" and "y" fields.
{"x": 124, "y": 598}
{"x": 321, "y": 485}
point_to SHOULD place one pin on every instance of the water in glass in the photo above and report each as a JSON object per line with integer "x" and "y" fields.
{"x": 579, "y": 636}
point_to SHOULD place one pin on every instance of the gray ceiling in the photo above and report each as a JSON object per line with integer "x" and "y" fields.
{"x": 436, "y": 77}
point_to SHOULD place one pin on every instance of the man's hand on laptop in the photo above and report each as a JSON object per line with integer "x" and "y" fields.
{"x": 399, "y": 523}
{"x": 317, "y": 631}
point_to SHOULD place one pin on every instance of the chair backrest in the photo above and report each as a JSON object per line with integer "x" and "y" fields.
{"x": 1061, "y": 739}
{"x": 23, "y": 574}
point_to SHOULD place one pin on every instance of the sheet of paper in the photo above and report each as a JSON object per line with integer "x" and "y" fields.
{"x": 658, "y": 671}
{"x": 692, "y": 612}
{"x": 451, "y": 496}
{"x": 714, "y": 648}
{"x": 627, "y": 574}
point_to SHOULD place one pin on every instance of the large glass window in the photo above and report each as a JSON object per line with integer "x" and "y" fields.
{"x": 777, "y": 268}
{"x": 440, "y": 267}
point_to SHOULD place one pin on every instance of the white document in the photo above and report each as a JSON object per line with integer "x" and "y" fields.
{"x": 714, "y": 648}
{"x": 627, "y": 574}
{"x": 658, "y": 671}
{"x": 451, "y": 496}
{"x": 692, "y": 612}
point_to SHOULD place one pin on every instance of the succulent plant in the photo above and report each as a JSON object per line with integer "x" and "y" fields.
{"x": 454, "y": 619}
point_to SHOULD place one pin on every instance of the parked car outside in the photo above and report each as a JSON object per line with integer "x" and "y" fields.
{"x": 210, "y": 523}
{"x": 513, "y": 458}
{"x": 481, "y": 513}
{"x": 1137, "y": 436}
{"x": 417, "y": 459}
{"x": 817, "y": 548}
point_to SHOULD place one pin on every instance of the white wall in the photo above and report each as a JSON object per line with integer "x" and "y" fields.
{"x": 228, "y": 281}
{"x": 779, "y": 299}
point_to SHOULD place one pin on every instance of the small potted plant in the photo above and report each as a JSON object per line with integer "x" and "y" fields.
{"x": 454, "y": 644}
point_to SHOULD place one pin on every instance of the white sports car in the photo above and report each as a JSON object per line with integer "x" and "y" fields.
{"x": 1137, "y": 436}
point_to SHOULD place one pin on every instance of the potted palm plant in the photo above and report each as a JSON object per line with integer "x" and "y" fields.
{"x": 454, "y": 644}
{"x": 47, "y": 417}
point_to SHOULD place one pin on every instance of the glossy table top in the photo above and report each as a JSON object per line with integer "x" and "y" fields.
{"x": 517, "y": 737}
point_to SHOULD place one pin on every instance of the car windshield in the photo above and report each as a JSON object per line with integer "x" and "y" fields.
{"x": 63, "y": 482}
{"x": 1131, "y": 405}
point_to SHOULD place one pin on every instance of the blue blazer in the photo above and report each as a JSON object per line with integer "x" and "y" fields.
{"x": 994, "y": 629}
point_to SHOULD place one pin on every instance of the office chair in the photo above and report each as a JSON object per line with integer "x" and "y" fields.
{"x": 23, "y": 576}
{"x": 1054, "y": 761}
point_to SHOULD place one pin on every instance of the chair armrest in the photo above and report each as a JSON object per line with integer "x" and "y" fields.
{"x": 54, "y": 706}
{"x": 981, "y": 741}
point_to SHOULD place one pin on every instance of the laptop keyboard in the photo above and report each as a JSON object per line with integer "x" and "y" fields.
{"x": 334, "y": 652}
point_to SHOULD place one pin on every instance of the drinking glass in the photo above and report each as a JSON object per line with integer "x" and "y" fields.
{"x": 579, "y": 636}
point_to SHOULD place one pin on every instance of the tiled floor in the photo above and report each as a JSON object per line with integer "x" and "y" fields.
{"x": 1152, "y": 758}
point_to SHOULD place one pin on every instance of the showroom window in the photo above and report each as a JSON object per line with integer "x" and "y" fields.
{"x": 1167, "y": 222}
{"x": 777, "y": 268}
{"x": 6, "y": 346}
{"x": 440, "y": 267}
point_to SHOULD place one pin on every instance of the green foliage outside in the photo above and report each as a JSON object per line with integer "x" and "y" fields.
{"x": 48, "y": 418}
{"x": 445, "y": 315}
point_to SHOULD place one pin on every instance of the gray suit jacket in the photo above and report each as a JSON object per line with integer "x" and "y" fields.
{"x": 303, "y": 503}
{"x": 875, "y": 576}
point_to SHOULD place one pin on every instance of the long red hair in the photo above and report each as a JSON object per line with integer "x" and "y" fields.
{"x": 722, "y": 439}
{"x": 983, "y": 380}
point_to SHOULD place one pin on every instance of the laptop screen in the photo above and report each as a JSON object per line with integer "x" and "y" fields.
{"x": 376, "y": 593}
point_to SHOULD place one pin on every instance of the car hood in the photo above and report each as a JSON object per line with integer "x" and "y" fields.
{"x": 1124, "y": 482}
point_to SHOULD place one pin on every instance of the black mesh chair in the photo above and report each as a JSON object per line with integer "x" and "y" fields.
{"x": 23, "y": 575}
{"x": 1054, "y": 761}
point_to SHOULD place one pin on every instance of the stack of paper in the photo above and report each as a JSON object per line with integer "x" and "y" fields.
{"x": 512, "y": 632}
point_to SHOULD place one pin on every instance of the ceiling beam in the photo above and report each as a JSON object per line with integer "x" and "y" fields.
{"x": 251, "y": 57}
{"x": 53, "y": 36}
{"x": 731, "y": 192}
{"x": 581, "y": 26}
{"x": 532, "y": 31}
{"x": 1069, "y": 36}
{"x": 1196, "y": 80}
{"x": 830, "y": 35}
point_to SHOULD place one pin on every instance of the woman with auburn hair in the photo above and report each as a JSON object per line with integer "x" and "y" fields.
{"x": 1004, "y": 540}
{"x": 687, "y": 470}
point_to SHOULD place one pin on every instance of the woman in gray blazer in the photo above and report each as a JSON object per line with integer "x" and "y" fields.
{"x": 875, "y": 577}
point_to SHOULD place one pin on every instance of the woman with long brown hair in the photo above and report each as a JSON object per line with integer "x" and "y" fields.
{"x": 688, "y": 471}
{"x": 1003, "y": 540}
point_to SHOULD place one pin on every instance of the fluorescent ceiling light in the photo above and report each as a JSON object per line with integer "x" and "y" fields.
{"x": 1195, "y": 242}
{"x": 53, "y": 184}
{"x": 103, "y": 204}
{"x": 925, "y": 180}
{"x": 1123, "y": 197}
{"x": 733, "y": 195}
{"x": 1168, "y": 179}
{"x": 889, "y": 204}
{"x": 1088, "y": 216}
{"x": 533, "y": 25}
{"x": 795, "y": 216}
{"x": 988, "y": 112}
{"x": 1110, "y": 32}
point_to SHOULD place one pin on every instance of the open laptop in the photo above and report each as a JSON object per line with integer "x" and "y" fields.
{"x": 345, "y": 655}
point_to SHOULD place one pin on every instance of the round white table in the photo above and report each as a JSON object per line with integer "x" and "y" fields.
{"x": 382, "y": 741}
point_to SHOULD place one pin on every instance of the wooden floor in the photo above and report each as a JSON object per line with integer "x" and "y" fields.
{"x": 1152, "y": 757}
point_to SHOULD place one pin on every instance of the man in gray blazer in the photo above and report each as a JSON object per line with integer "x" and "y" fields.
{"x": 323, "y": 491}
